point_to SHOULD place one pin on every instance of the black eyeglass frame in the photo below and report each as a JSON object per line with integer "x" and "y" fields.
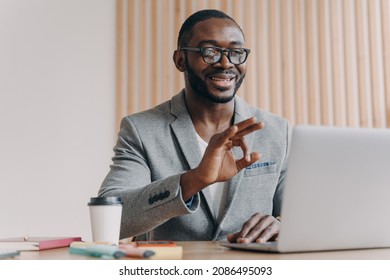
{"x": 221, "y": 51}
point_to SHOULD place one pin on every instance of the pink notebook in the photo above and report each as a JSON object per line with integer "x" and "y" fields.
{"x": 36, "y": 243}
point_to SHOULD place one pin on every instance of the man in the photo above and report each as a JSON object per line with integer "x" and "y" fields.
{"x": 190, "y": 168}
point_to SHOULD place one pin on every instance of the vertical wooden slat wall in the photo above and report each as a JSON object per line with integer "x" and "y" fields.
{"x": 320, "y": 62}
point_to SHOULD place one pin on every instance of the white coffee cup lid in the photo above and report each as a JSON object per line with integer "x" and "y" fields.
{"x": 110, "y": 200}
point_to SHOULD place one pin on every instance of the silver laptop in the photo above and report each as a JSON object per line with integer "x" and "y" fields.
{"x": 337, "y": 192}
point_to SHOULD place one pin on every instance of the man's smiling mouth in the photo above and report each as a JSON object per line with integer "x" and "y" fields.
{"x": 223, "y": 83}
{"x": 221, "y": 80}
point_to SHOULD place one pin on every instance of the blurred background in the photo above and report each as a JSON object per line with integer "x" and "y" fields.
{"x": 70, "y": 70}
{"x": 319, "y": 62}
{"x": 57, "y": 113}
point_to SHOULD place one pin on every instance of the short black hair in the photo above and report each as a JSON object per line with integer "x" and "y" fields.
{"x": 185, "y": 32}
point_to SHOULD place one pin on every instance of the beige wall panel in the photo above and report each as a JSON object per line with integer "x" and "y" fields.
{"x": 351, "y": 89}
{"x": 262, "y": 60}
{"x": 364, "y": 78}
{"x": 377, "y": 71}
{"x": 287, "y": 73}
{"x": 320, "y": 62}
{"x": 312, "y": 63}
{"x": 275, "y": 58}
{"x": 386, "y": 53}
{"x": 337, "y": 62}
{"x": 300, "y": 74}
{"x": 325, "y": 72}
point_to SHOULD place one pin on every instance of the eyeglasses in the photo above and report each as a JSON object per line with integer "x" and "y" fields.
{"x": 213, "y": 55}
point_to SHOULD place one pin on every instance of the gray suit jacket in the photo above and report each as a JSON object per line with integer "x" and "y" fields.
{"x": 156, "y": 146}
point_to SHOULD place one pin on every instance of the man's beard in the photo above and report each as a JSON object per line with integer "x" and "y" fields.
{"x": 200, "y": 87}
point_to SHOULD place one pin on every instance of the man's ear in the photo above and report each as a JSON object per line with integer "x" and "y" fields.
{"x": 178, "y": 58}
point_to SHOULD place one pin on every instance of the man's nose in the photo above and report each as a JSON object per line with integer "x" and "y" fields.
{"x": 224, "y": 61}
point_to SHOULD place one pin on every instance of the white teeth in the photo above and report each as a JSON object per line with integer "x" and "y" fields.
{"x": 220, "y": 80}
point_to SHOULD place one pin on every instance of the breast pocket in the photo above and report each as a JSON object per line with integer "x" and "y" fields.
{"x": 260, "y": 168}
{"x": 257, "y": 188}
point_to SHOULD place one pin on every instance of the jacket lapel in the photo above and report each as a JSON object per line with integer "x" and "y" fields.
{"x": 242, "y": 112}
{"x": 184, "y": 131}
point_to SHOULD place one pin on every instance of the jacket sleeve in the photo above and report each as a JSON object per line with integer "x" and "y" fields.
{"x": 146, "y": 204}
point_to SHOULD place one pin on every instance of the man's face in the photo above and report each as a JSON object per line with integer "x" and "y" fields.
{"x": 217, "y": 82}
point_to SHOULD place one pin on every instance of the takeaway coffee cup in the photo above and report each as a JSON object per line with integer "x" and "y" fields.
{"x": 105, "y": 214}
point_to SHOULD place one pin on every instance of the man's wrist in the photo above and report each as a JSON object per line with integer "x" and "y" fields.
{"x": 190, "y": 184}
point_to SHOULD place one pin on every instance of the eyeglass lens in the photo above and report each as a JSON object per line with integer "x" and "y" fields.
{"x": 213, "y": 55}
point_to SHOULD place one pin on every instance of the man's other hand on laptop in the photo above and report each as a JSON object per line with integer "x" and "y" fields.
{"x": 259, "y": 228}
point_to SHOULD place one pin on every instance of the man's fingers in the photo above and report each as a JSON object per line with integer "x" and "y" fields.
{"x": 232, "y": 237}
{"x": 248, "y": 225}
{"x": 246, "y": 123}
{"x": 259, "y": 228}
{"x": 246, "y": 127}
{"x": 248, "y": 157}
{"x": 240, "y": 237}
{"x": 237, "y": 131}
{"x": 247, "y": 160}
{"x": 267, "y": 234}
{"x": 263, "y": 231}
{"x": 250, "y": 129}
{"x": 266, "y": 229}
{"x": 220, "y": 139}
{"x": 244, "y": 146}
{"x": 236, "y": 238}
